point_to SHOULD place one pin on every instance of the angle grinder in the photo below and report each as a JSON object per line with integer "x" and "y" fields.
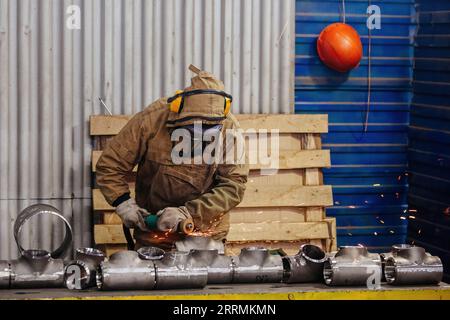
{"x": 184, "y": 227}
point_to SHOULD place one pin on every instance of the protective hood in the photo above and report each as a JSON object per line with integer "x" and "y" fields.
{"x": 207, "y": 108}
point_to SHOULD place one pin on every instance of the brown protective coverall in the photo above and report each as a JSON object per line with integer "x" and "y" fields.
{"x": 207, "y": 191}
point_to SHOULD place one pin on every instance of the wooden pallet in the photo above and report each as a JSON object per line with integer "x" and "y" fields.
{"x": 283, "y": 210}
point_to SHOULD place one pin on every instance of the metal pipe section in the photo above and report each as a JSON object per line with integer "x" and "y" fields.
{"x": 39, "y": 209}
{"x": 351, "y": 266}
{"x": 5, "y": 274}
{"x": 177, "y": 270}
{"x": 199, "y": 243}
{"x": 411, "y": 265}
{"x": 36, "y": 269}
{"x": 257, "y": 265}
{"x": 82, "y": 272}
{"x": 220, "y": 268}
{"x": 126, "y": 270}
{"x": 306, "y": 266}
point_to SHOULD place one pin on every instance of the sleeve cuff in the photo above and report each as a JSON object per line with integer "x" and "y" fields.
{"x": 121, "y": 199}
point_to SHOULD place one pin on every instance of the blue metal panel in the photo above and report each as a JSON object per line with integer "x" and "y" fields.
{"x": 368, "y": 172}
{"x": 429, "y": 135}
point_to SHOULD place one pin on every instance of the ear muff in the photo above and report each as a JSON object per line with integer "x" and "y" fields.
{"x": 227, "y": 106}
{"x": 176, "y": 101}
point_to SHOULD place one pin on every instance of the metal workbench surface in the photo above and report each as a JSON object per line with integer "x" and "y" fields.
{"x": 245, "y": 292}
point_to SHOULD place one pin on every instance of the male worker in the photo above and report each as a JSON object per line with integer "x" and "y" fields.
{"x": 201, "y": 192}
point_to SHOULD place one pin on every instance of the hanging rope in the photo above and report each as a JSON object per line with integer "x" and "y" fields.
{"x": 369, "y": 75}
{"x": 343, "y": 11}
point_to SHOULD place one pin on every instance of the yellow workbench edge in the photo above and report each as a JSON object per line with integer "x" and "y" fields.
{"x": 413, "y": 294}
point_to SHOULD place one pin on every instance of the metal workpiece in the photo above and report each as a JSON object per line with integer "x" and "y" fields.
{"x": 305, "y": 266}
{"x": 5, "y": 274}
{"x": 220, "y": 268}
{"x": 351, "y": 266}
{"x": 177, "y": 270}
{"x": 125, "y": 270}
{"x": 81, "y": 273}
{"x": 411, "y": 265}
{"x": 151, "y": 253}
{"x": 40, "y": 209}
{"x": 257, "y": 265}
{"x": 199, "y": 243}
{"x": 384, "y": 256}
{"x": 36, "y": 269}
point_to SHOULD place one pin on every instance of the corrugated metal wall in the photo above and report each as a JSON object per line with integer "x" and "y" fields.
{"x": 429, "y": 143}
{"x": 128, "y": 52}
{"x": 368, "y": 171}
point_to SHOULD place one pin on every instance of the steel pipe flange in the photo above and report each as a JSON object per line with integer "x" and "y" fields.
{"x": 38, "y": 209}
{"x": 306, "y": 266}
{"x": 409, "y": 265}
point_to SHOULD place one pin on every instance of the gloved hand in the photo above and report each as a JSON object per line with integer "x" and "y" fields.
{"x": 132, "y": 215}
{"x": 170, "y": 218}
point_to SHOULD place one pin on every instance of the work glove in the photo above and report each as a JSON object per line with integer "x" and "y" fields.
{"x": 170, "y": 218}
{"x": 132, "y": 215}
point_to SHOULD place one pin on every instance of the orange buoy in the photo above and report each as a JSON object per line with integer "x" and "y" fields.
{"x": 340, "y": 47}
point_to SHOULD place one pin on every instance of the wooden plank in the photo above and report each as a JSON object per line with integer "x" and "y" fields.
{"x": 331, "y": 243}
{"x": 286, "y": 123}
{"x": 101, "y": 125}
{"x": 237, "y": 215}
{"x": 292, "y": 177}
{"x": 270, "y": 231}
{"x": 261, "y": 196}
{"x": 301, "y": 160}
{"x": 257, "y": 215}
{"x": 287, "y": 142}
{"x": 312, "y": 178}
{"x": 332, "y": 226}
{"x": 287, "y": 160}
{"x": 111, "y": 218}
{"x": 315, "y": 213}
{"x": 111, "y": 234}
{"x": 289, "y": 195}
{"x": 265, "y": 231}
